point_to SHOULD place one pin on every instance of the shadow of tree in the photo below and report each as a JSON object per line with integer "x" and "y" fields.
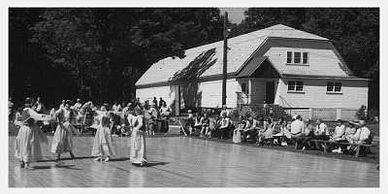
{"x": 188, "y": 78}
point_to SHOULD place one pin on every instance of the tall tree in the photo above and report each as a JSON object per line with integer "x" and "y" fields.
{"x": 108, "y": 49}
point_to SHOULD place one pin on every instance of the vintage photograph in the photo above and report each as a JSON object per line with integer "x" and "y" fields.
{"x": 208, "y": 97}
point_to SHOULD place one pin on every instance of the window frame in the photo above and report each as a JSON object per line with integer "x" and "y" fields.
{"x": 295, "y": 85}
{"x": 334, "y": 85}
{"x": 303, "y": 58}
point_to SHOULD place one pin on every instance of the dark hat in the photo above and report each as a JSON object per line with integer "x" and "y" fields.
{"x": 68, "y": 102}
{"x": 355, "y": 123}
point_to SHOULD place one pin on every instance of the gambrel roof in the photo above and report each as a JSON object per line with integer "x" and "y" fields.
{"x": 241, "y": 51}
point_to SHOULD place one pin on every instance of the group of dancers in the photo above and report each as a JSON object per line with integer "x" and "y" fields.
{"x": 30, "y": 137}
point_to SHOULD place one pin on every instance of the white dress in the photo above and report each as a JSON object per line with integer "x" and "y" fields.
{"x": 29, "y": 138}
{"x": 137, "y": 153}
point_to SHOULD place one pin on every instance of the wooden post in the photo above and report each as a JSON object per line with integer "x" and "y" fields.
{"x": 224, "y": 67}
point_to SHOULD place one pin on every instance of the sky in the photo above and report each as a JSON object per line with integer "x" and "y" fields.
{"x": 235, "y": 15}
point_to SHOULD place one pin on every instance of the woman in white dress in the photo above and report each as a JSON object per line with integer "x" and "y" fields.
{"x": 137, "y": 154}
{"x": 63, "y": 136}
{"x": 103, "y": 142}
{"x": 29, "y": 138}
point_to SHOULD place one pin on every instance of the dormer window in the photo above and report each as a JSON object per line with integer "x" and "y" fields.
{"x": 297, "y": 58}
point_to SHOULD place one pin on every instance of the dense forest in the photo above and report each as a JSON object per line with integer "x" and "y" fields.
{"x": 101, "y": 52}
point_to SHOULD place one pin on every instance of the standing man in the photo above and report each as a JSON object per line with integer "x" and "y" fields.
{"x": 155, "y": 102}
{"x": 161, "y": 102}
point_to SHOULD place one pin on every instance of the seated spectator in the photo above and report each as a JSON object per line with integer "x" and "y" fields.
{"x": 306, "y": 135}
{"x": 321, "y": 131}
{"x": 338, "y": 136}
{"x": 225, "y": 126}
{"x": 214, "y": 125}
{"x": 362, "y": 134}
{"x": 339, "y": 131}
{"x": 350, "y": 132}
{"x": 297, "y": 126}
{"x": 263, "y": 131}
{"x": 273, "y": 129}
{"x": 251, "y": 129}
{"x": 284, "y": 135}
{"x": 205, "y": 130}
{"x": 237, "y": 133}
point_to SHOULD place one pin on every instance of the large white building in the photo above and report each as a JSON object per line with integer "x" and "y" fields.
{"x": 277, "y": 65}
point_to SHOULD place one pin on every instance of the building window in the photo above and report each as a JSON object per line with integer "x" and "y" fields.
{"x": 289, "y": 57}
{"x": 334, "y": 87}
{"x": 297, "y": 57}
{"x": 295, "y": 86}
{"x": 305, "y": 58}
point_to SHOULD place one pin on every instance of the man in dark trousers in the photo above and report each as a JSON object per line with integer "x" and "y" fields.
{"x": 161, "y": 102}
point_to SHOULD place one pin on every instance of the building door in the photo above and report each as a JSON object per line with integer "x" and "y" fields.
{"x": 270, "y": 92}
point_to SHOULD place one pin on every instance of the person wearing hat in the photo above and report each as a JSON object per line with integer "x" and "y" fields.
{"x": 137, "y": 154}
{"x": 29, "y": 138}
{"x": 103, "y": 147}
{"x": 63, "y": 136}
{"x": 350, "y": 131}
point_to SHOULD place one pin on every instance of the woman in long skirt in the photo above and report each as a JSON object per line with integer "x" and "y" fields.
{"x": 103, "y": 143}
{"x": 30, "y": 137}
{"x": 138, "y": 145}
{"x": 63, "y": 136}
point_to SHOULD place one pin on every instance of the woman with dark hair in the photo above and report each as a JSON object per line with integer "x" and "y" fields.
{"x": 63, "y": 136}
{"x": 137, "y": 154}
{"x": 103, "y": 142}
{"x": 29, "y": 137}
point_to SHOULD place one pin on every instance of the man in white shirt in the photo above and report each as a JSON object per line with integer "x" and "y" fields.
{"x": 321, "y": 131}
{"x": 339, "y": 131}
{"x": 297, "y": 126}
{"x": 363, "y": 133}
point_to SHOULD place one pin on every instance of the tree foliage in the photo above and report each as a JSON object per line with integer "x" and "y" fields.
{"x": 106, "y": 50}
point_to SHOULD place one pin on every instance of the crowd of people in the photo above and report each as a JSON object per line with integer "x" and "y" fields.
{"x": 137, "y": 119}
{"x": 280, "y": 132}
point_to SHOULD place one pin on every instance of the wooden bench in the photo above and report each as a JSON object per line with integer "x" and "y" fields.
{"x": 326, "y": 144}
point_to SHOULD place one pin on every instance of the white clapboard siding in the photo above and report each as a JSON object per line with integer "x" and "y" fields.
{"x": 354, "y": 94}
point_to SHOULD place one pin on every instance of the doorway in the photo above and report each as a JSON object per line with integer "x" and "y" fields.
{"x": 270, "y": 92}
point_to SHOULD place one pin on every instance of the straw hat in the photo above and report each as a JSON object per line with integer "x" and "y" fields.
{"x": 355, "y": 123}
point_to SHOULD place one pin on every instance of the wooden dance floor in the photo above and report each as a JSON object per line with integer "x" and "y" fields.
{"x": 189, "y": 162}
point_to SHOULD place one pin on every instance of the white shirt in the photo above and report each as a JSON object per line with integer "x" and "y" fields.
{"x": 362, "y": 134}
{"x": 321, "y": 129}
{"x": 339, "y": 131}
{"x": 297, "y": 126}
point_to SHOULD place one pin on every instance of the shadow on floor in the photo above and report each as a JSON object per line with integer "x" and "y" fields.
{"x": 75, "y": 158}
{"x": 70, "y": 167}
{"x": 155, "y": 163}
